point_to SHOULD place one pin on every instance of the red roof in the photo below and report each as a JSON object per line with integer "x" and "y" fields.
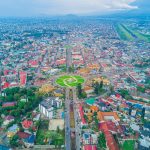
{"x": 118, "y": 95}
{"x": 6, "y": 72}
{"x": 78, "y": 62}
{"x": 23, "y": 135}
{"x": 23, "y": 78}
{"x": 33, "y": 63}
{"x": 6, "y": 85}
{"x": 60, "y": 61}
{"x": 89, "y": 147}
{"x": 110, "y": 100}
{"x": 109, "y": 125}
{"x": 82, "y": 115}
{"x": 106, "y": 127}
{"x": 8, "y": 104}
{"x": 27, "y": 123}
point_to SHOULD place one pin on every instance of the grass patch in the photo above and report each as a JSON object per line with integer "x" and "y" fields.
{"x": 123, "y": 33}
{"x": 69, "y": 81}
{"x": 128, "y": 145}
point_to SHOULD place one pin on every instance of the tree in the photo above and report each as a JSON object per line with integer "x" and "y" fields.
{"x": 141, "y": 89}
{"x": 71, "y": 68}
{"x": 14, "y": 141}
{"x": 129, "y": 80}
{"x": 79, "y": 88}
{"x": 111, "y": 89}
{"x": 125, "y": 94}
{"x": 86, "y": 118}
{"x": 81, "y": 93}
{"x": 101, "y": 141}
{"x": 101, "y": 85}
{"x": 98, "y": 87}
{"x": 58, "y": 130}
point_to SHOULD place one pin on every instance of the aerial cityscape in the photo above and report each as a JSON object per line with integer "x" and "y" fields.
{"x": 71, "y": 82}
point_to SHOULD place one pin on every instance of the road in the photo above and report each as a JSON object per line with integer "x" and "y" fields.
{"x": 68, "y": 59}
{"x": 67, "y": 121}
{"x": 76, "y": 117}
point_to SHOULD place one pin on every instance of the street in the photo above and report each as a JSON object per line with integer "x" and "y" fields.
{"x": 67, "y": 121}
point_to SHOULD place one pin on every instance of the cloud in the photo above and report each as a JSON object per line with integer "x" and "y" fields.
{"x": 85, "y": 6}
{"x": 57, "y": 7}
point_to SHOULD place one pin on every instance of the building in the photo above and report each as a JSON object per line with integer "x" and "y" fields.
{"x": 8, "y": 119}
{"x": 108, "y": 116}
{"x": 26, "y": 124}
{"x": 144, "y": 140}
{"x": 89, "y": 147}
{"x": 89, "y": 138}
{"x": 12, "y": 130}
{"x": 49, "y": 106}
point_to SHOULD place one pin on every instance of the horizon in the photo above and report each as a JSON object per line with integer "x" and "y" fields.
{"x": 39, "y": 8}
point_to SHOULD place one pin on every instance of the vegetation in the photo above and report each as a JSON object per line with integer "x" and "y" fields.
{"x": 71, "y": 69}
{"x": 14, "y": 141}
{"x": 128, "y": 145}
{"x": 140, "y": 89}
{"x": 124, "y": 33}
{"x": 69, "y": 81}
{"x": 98, "y": 87}
{"x": 44, "y": 136}
{"x": 21, "y": 108}
{"x": 125, "y": 94}
{"x": 101, "y": 141}
{"x": 81, "y": 93}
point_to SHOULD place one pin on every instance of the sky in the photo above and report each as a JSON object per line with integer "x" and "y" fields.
{"x": 63, "y": 7}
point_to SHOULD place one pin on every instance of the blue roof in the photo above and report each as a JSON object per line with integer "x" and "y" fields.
{"x": 13, "y": 128}
{"x": 147, "y": 125}
{"x": 63, "y": 115}
{"x": 139, "y": 106}
{"x": 30, "y": 139}
{"x": 86, "y": 135}
{"x": 2, "y": 147}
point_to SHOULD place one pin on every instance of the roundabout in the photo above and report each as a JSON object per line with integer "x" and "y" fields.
{"x": 69, "y": 80}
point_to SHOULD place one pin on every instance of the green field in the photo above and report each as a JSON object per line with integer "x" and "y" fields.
{"x": 130, "y": 34}
{"x": 128, "y": 145}
{"x": 69, "y": 81}
{"x": 68, "y": 47}
{"x": 123, "y": 33}
{"x": 141, "y": 36}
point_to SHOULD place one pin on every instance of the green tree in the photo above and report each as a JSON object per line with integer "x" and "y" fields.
{"x": 79, "y": 88}
{"x": 58, "y": 130}
{"x": 125, "y": 94}
{"x": 101, "y": 141}
{"x": 141, "y": 89}
{"x": 14, "y": 141}
{"x": 101, "y": 85}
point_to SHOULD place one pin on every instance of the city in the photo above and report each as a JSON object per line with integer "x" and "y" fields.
{"x": 75, "y": 83}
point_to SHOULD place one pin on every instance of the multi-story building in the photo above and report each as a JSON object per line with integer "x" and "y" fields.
{"x": 49, "y": 106}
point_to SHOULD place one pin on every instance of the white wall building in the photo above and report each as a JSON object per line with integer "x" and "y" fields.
{"x": 48, "y": 106}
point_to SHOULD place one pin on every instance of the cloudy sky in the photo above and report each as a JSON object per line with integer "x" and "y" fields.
{"x": 61, "y": 7}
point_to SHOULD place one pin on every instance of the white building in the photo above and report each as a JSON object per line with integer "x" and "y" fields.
{"x": 49, "y": 106}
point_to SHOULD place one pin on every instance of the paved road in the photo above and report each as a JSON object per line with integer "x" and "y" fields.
{"x": 76, "y": 117}
{"x": 68, "y": 58}
{"x": 67, "y": 121}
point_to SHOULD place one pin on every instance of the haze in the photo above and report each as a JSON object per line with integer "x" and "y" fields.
{"x": 62, "y": 7}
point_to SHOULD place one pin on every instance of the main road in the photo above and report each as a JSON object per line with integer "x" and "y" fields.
{"x": 76, "y": 117}
{"x": 67, "y": 121}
